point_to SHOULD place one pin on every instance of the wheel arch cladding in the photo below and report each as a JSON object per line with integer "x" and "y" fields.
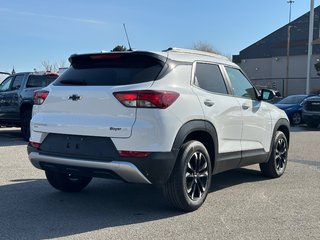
{"x": 201, "y": 131}
{"x": 284, "y": 126}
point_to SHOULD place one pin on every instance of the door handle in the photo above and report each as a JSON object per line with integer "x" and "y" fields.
{"x": 208, "y": 103}
{"x": 245, "y": 106}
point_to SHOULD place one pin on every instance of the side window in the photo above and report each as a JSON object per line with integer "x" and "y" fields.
{"x": 36, "y": 81}
{"x": 209, "y": 77}
{"x": 5, "y": 85}
{"x": 17, "y": 82}
{"x": 39, "y": 80}
{"x": 240, "y": 84}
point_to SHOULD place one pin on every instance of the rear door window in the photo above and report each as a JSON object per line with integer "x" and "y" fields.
{"x": 209, "y": 78}
{"x": 111, "y": 70}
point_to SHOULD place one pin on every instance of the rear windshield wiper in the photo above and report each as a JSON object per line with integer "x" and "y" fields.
{"x": 73, "y": 82}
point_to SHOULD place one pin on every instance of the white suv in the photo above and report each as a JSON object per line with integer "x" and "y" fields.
{"x": 170, "y": 118}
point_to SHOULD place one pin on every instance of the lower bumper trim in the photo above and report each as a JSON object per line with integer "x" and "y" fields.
{"x": 126, "y": 170}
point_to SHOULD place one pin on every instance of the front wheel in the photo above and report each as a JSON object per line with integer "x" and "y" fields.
{"x": 278, "y": 159}
{"x": 296, "y": 118}
{"x": 189, "y": 183}
{"x": 67, "y": 182}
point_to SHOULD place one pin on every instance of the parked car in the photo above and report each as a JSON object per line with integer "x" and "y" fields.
{"x": 311, "y": 111}
{"x": 169, "y": 118}
{"x": 292, "y": 105}
{"x": 16, "y": 99}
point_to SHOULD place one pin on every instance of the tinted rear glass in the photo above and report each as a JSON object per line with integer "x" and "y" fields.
{"x": 40, "y": 80}
{"x": 209, "y": 77}
{"x": 111, "y": 70}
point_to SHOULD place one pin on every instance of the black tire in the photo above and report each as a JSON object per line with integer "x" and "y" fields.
{"x": 189, "y": 182}
{"x": 278, "y": 159}
{"x": 25, "y": 124}
{"x": 66, "y": 182}
{"x": 296, "y": 118}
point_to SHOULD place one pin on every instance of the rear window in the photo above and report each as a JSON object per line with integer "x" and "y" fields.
{"x": 111, "y": 69}
{"x": 40, "y": 80}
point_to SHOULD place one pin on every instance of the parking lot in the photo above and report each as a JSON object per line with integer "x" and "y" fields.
{"x": 242, "y": 204}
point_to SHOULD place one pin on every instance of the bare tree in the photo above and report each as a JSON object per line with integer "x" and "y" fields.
{"x": 207, "y": 47}
{"x": 62, "y": 63}
{"x": 119, "y": 48}
{"x": 204, "y": 46}
{"x": 47, "y": 66}
{"x": 53, "y": 67}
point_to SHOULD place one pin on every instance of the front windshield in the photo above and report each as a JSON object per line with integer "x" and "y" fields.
{"x": 292, "y": 100}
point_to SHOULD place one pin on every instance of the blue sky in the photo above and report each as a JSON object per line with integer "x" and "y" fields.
{"x": 34, "y": 31}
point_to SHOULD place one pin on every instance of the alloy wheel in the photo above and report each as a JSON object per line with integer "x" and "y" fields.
{"x": 296, "y": 118}
{"x": 281, "y": 155}
{"x": 196, "y": 176}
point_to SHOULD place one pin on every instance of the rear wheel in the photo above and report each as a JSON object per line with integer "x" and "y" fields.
{"x": 67, "y": 182}
{"x": 189, "y": 183}
{"x": 25, "y": 124}
{"x": 277, "y": 163}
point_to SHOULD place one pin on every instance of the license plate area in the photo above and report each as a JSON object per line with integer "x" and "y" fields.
{"x": 75, "y": 144}
{"x": 86, "y": 147}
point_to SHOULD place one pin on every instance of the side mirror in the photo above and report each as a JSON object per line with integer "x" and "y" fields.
{"x": 267, "y": 94}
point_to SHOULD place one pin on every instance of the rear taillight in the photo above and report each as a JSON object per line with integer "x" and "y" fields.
{"x": 40, "y": 96}
{"x": 50, "y": 74}
{"x": 147, "y": 98}
{"x": 134, "y": 154}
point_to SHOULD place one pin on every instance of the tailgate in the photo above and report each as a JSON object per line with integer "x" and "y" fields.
{"x": 81, "y": 100}
{"x": 96, "y": 112}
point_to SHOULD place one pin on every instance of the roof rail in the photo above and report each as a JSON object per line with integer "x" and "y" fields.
{"x": 192, "y": 51}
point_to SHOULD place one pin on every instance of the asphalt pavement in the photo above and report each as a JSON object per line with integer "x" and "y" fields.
{"x": 242, "y": 204}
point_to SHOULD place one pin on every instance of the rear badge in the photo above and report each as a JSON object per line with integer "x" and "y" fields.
{"x": 74, "y": 97}
{"x": 115, "y": 129}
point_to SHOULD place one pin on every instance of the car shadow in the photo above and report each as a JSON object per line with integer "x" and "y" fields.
{"x": 32, "y": 209}
{"x": 235, "y": 177}
{"x": 11, "y": 137}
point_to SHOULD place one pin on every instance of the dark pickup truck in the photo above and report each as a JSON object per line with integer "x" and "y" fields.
{"x": 311, "y": 111}
{"x": 16, "y": 99}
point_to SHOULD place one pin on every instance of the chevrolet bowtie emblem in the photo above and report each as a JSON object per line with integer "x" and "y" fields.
{"x": 74, "y": 97}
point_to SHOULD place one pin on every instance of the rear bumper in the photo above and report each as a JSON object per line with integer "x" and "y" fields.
{"x": 154, "y": 169}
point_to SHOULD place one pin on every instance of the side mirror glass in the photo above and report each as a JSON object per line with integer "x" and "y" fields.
{"x": 267, "y": 94}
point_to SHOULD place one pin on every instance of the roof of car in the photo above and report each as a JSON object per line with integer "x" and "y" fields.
{"x": 190, "y": 55}
{"x": 37, "y": 73}
{"x": 298, "y": 95}
{"x": 313, "y": 97}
